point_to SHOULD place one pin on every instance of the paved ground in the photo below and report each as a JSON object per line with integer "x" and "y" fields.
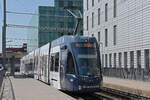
{"x": 1, "y": 77}
{"x": 7, "y": 92}
{"x": 30, "y": 89}
{"x": 133, "y": 86}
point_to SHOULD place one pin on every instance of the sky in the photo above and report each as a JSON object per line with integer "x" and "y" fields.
{"x": 16, "y": 36}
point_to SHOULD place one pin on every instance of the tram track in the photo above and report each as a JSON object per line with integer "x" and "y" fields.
{"x": 114, "y": 94}
{"x": 108, "y": 94}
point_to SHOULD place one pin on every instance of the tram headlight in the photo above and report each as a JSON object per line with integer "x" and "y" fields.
{"x": 71, "y": 80}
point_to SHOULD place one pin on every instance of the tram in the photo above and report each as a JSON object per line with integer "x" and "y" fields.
{"x": 27, "y": 65}
{"x": 70, "y": 63}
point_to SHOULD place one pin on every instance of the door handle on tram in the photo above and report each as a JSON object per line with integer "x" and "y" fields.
{"x": 54, "y": 79}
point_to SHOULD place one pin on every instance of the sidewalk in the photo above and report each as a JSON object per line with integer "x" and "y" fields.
{"x": 7, "y": 92}
{"x": 31, "y": 89}
{"x": 131, "y": 86}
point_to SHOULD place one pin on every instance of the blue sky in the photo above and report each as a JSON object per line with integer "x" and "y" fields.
{"x": 17, "y": 34}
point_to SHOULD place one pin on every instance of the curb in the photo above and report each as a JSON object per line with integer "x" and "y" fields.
{"x": 2, "y": 89}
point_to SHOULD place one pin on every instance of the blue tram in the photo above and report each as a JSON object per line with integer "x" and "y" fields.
{"x": 70, "y": 63}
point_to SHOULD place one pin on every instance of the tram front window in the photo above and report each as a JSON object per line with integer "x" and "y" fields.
{"x": 86, "y": 57}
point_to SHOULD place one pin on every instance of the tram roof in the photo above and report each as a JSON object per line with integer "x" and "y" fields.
{"x": 70, "y": 38}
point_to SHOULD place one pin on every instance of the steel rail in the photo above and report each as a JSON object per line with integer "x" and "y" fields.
{"x": 122, "y": 94}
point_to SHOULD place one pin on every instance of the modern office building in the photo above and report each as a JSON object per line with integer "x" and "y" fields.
{"x": 122, "y": 28}
{"x": 53, "y": 22}
{"x": 56, "y": 21}
{"x": 32, "y": 36}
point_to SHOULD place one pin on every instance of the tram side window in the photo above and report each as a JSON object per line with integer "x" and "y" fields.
{"x": 70, "y": 65}
{"x": 52, "y": 63}
{"x": 56, "y": 62}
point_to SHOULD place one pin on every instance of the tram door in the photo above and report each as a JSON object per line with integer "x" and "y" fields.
{"x": 51, "y": 69}
{"x": 55, "y": 73}
{"x": 63, "y": 62}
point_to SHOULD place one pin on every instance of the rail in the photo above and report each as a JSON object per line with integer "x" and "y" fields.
{"x": 121, "y": 95}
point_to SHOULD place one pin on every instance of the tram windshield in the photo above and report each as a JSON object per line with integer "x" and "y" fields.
{"x": 86, "y": 57}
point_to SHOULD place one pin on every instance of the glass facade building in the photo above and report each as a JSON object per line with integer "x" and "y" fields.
{"x": 56, "y": 21}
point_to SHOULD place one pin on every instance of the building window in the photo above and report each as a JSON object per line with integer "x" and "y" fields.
{"x": 99, "y": 36}
{"x": 115, "y": 34}
{"x": 70, "y": 25}
{"x": 61, "y": 3}
{"x": 106, "y": 12}
{"x": 87, "y": 4}
{"x": 120, "y": 60}
{"x": 61, "y": 13}
{"x": 114, "y": 60}
{"x": 92, "y": 19}
{"x": 110, "y": 57}
{"x": 105, "y": 60}
{"x": 70, "y": 3}
{"x": 106, "y": 37}
{"x": 139, "y": 59}
{"x": 61, "y": 24}
{"x": 87, "y": 23}
{"x": 98, "y": 16}
{"x": 146, "y": 54}
{"x": 115, "y": 8}
{"x": 70, "y": 64}
{"x": 131, "y": 59}
{"x": 92, "y": 2}
{"x": 125, "y": 59}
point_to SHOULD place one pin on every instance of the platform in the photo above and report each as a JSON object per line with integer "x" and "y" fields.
{"x": 31, "y": 89}
{"x": 131, "y": 86}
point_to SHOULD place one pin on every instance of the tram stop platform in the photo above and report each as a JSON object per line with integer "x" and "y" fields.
{"x": 31, "y": 89}
{"x": 131, "y": 86}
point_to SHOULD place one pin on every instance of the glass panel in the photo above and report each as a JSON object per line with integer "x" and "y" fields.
{"x": 61, "y": 3}
{"x": 114, "y": 60}
{"x": 115, "y": 8}
{"x": 110, "y": 60}
{"x": 52, "y": 63}
{"x": 56, "y": 62}
{"x": 106, "y": 37}
{"x": 70, "y": 65}
{"x": 132, "y": 59}
{"x": 70, "y": 3}
{"x": 86, "y": 57}
{"x": 147, "y": 58}
{"x": 120, "y": 60}
{"x": 139, "y": 59}
{"x": 106, "y": 11}
{"x": 125, "y": 59}
{"x": 106, "y": 60}
{"x": 98, "y": 16}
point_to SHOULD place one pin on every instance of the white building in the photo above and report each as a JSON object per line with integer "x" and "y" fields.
{"x": 123, "y": 29}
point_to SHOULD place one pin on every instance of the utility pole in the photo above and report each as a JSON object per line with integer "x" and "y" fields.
{"x": 4, "y": 34}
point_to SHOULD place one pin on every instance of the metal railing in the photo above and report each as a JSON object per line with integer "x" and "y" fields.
{"x": 128, "y": 73}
